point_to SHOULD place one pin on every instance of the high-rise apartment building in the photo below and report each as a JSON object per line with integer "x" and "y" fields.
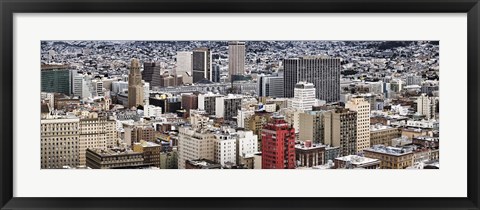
{"x": 312, "y": 126}
{"x": 207, "y": 102}
{"x": 426, "y": 106}
{"x": 323, "y": 72}
{"x": 59, "y": 143}
{"x": 236, "y": 58}
{"x": 278, "y": 145}
{"x": 227, "y": 107}
{"x": 341, "y": 130}
{"x": 135, "y": 87}
{"x": 201, "y": 64}
{"x": 362, "y": 107}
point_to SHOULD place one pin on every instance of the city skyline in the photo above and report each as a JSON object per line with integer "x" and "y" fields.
{"x": 236, "y": 104}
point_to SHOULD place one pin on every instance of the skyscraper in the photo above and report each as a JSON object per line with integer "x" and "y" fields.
{"x": 148, "y": 70}
{"x": 135, "y": 87}
{"x": 362, "y": 107}
{"x": 278, "y": 145}
{"x": 184, "y": 66}
{"x": 202, "y": 64}
{"x": 323, "y": 72}
{"x": 236, "y": 58}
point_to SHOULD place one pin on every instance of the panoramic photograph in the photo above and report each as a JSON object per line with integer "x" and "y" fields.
{"x": 239, "y": 104}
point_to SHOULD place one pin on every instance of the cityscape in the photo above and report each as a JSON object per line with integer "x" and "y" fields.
{"x": 241, "y": 104}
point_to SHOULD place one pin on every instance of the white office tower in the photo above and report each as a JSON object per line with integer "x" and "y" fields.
{"x": 304, "y": 96}
{"x": 362, "y": 107}
{"x": 184, "y": 66}
{"x": 236, "y": 58}
{"x": 152, "y": 111}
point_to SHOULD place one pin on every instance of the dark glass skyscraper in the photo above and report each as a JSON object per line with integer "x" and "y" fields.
{"x": 202, "y": 64}
{"x": 323, "y": 72}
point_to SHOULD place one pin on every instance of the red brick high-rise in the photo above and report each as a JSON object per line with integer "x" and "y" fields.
{"x": 278, "y": 145}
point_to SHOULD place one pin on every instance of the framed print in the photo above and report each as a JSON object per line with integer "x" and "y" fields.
{"x": 288, "y": 104}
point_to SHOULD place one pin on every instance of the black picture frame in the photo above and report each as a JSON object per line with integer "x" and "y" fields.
{"x": 10, "y": 7}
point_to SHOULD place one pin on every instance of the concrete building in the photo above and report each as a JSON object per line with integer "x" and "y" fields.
{"x": 256, "y": 122}
{"x": 184, "y": 66}
{"x": 247, "y": 144}
{"x": 323, "y": 72}
{"x": 341, "y": 130}
{"x": 189, "y": 101}
{"x": 114, "y": 159}
{"x": 201, "y": 64}
{"x": 99, "y": 133}
{"x": 381, "y": 134}
{"x": 59, "y": 143}
{"x": 150, "y": 151}
{"x": 202, "y": 164}
{"x": 271, "y": 86}
{"x": 227, "y": 107}
{"x": 309, "y": 155}
{"x": 138, "y": 131}
{"x": 304, "y": 96}
{"x": 236, "y": 58}
{"x": 426, "y": 106}
{"x": 135, "y": 86}
{"x": 312, "y": 126}
{"x": 391, "y": 157}
{"x": 278, "y": 145}
{"x": 242, "y": 117}
{"x": 194, "y": 144}
{"x": 355, "y": 161}
{"x": 207, "y": 102}
{"x": 225, "y": 147}
{"x": 362, "y": 108}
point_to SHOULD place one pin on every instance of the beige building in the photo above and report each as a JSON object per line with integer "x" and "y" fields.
{"x": 97, "y": 133}
{"x": 380, "y": 134}
{"x": 194, "y": 144}
{"x": 135, "y": 86}
{"x": 114, "y": 159}
{"x": 236, "y": 58}
{"x": 59, "y": 143}
{"x": 312, "y": 126}
{"x": 362, "y": 108}
{"x": 341, "y": 130}
{"x": 151, "y": 152}
{"x": 390, "y": 157}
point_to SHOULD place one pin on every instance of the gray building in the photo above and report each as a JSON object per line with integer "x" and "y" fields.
{"x": 271, "y": 86}
{"x": 202, "y": 64}
{"x": 323, "y": 72}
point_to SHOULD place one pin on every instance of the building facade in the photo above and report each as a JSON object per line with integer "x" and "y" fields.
{"x": 236, "y": 58}
{"x": 278, "y": 145}
{"x": 323, "y": 72}
{"x": 362, "y": 108}
{"x": 135, "y": 87}
{"x": 59, "y": 143}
